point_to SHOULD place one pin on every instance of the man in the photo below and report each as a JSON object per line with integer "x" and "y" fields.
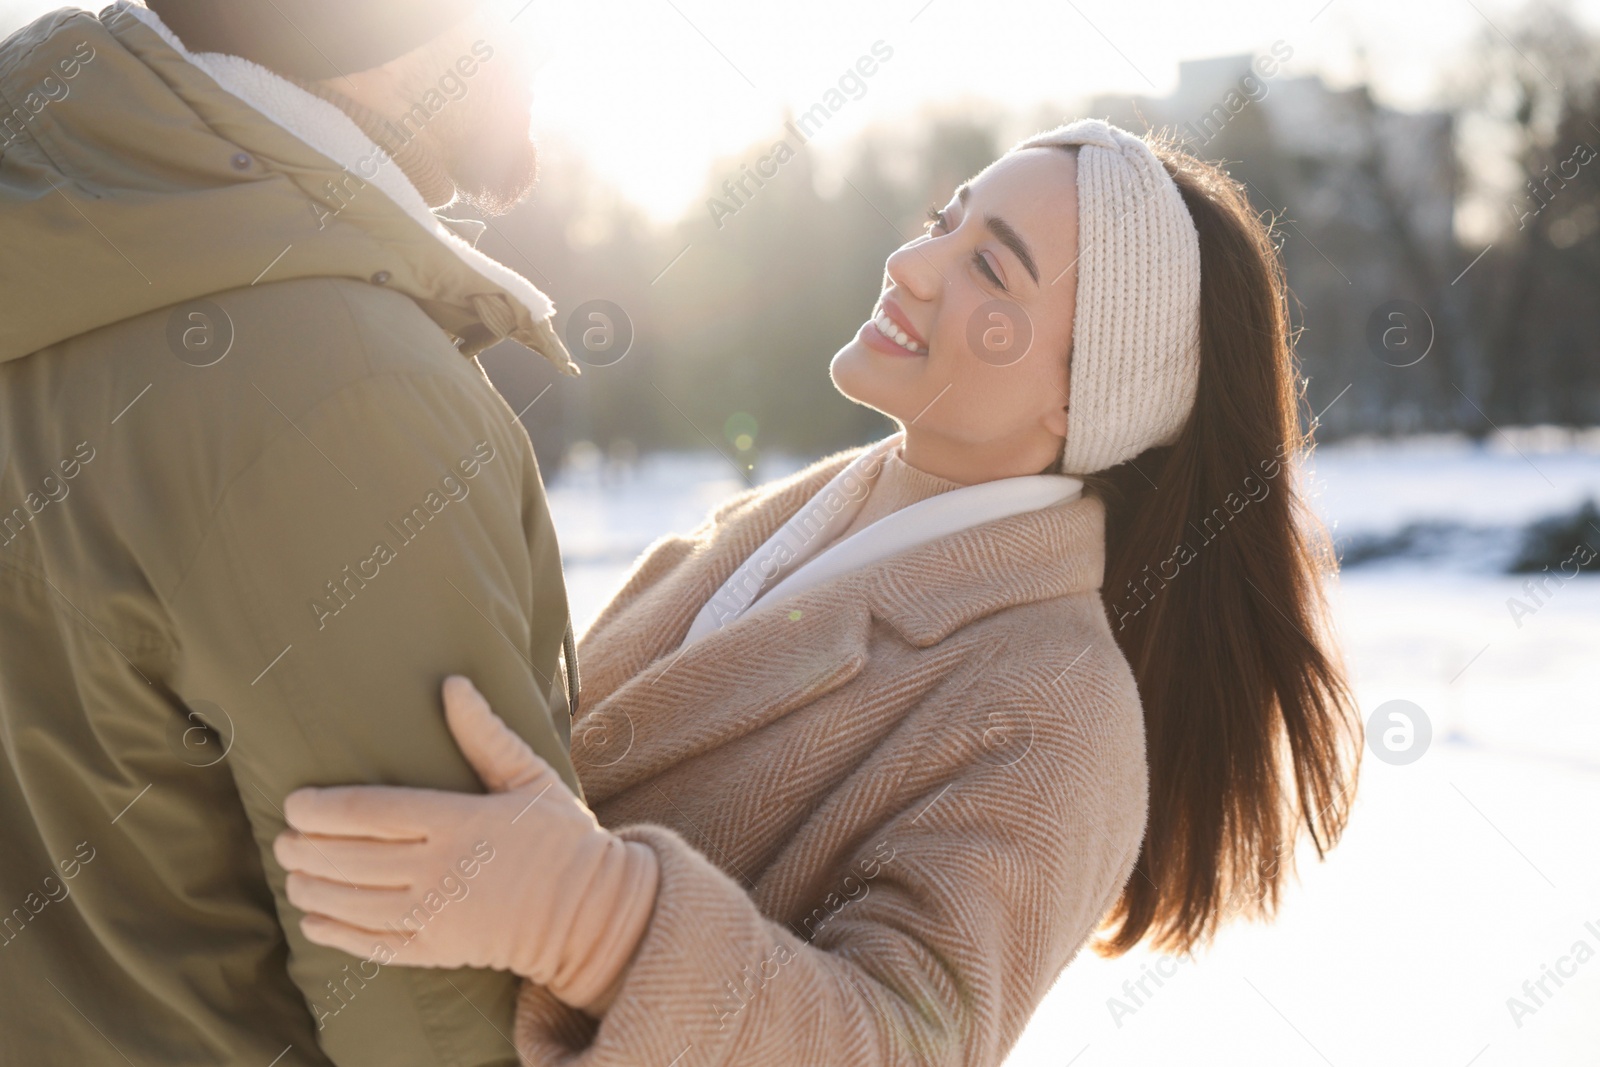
{"x": 257, "y": 499}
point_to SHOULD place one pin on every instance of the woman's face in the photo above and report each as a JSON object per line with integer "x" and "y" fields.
{"x": 983, "y": 302}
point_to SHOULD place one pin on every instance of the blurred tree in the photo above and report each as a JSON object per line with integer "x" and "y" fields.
{"x": 579, "y": 242}
{"x": 957, "y": 147}
{"x": 1536, "y": 302}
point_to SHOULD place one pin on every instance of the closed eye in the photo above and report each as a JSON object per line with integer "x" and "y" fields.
{"x": 988, "y": 272}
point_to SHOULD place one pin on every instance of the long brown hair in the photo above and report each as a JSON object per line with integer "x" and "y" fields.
{"x": 1213, "y": 587}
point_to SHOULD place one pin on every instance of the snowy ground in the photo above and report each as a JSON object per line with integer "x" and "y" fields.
{"x": 1462, "y": 876}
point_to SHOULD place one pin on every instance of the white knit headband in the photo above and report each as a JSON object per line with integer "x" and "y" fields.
{"x": 1136, "y": 327}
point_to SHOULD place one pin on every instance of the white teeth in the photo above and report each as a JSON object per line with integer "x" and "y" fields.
{"x": 887, "y": 327}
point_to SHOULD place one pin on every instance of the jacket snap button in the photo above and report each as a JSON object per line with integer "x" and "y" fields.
{"x": 381, "y": 278}
{"x": 240, "y": 161}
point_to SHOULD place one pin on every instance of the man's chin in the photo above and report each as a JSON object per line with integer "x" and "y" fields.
{"x": 496, "y": 189}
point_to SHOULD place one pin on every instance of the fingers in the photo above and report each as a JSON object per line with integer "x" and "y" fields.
{"x": 406, "y": 943}
{"x": 385, "y": 948}
{"x": 377, "y": 864}
{"x": 363, "y": 943}
{"x": 502, "y": 759}
{"x": 380, "y": 812}
{"x": 374, "y": 910}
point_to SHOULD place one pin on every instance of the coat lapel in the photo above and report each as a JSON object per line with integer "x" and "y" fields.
{"x": 729, "y": 683}
{"x": 620, "y": 645}
{"x": 653, "y": 706}
{"x": 931, "y": 591}
{"x": 636, "y": 687}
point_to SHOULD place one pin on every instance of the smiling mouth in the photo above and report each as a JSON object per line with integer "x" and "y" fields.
{"x": 887, "y": 327}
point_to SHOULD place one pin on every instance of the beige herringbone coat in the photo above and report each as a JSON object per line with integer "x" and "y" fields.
{"x": 887, "y": 814}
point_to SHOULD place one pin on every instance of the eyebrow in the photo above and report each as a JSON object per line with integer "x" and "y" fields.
{"x": 1013, "y": 240}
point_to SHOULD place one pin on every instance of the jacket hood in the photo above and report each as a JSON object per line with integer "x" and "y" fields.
{"x": 136, "y": 175}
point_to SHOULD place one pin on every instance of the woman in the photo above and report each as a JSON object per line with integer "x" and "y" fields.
{"x": 875, "y": 751}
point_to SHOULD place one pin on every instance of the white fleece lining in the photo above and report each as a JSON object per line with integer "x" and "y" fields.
{"x": 333, "y": 133}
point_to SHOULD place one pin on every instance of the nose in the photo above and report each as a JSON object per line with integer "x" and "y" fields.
{"x": 912, "y": 268}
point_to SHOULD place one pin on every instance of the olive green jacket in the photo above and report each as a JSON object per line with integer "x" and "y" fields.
{"x": 256, "y": 500}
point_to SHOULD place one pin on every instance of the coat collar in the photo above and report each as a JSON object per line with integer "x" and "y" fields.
{"x": 652, "y": 705}
{"x": 800, "y": 556}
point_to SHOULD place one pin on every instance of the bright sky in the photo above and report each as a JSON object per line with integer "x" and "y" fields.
{"x": 653, "y": 91}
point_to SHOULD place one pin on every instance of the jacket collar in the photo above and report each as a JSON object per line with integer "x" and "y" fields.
{"x": 421, "y": 166}
{"x": 653, "y": 705}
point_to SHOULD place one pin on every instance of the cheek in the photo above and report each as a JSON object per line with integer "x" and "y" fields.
{"x": 1047, "y": 362}
{"x": 978, "y": 335}
{"x": 999, "y": 394}
{"x": 964, "y": 336}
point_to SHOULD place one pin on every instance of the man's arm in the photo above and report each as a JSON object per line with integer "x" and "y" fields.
{"x": 393, "y": 533}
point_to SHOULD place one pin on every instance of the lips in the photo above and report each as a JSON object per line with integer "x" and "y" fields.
{"x": 893, "y": 324}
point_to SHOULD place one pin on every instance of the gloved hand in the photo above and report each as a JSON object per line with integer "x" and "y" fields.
{"x": 523, "y": 879}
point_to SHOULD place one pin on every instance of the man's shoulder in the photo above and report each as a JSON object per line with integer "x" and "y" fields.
{"x": 332, "y": 323}
{"x": 296, "y": 345}
{"x": 178, "y": 405}
{"x": 321, "y": 331}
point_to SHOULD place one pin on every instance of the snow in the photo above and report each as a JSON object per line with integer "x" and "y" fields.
{"x": 1382, "y": 485}
{"x": 1462, "y": 876}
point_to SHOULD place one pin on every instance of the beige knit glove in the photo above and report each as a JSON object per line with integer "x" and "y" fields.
{"x": 522, "y": 879}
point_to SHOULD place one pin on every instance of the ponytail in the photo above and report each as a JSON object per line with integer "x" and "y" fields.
{"x": 1213, "y": 589}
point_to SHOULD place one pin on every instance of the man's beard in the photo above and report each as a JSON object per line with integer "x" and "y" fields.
{"x": 485, "y": 148}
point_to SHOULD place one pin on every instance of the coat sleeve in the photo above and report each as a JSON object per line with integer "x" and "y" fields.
{"x": 929, "y": 943}
{"x": 391, "y": 531}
